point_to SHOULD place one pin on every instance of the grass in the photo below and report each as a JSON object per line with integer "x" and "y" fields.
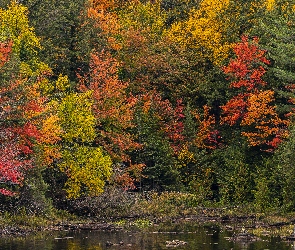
{"x": 152, "y": 209}
{"x": 32, "y": 222}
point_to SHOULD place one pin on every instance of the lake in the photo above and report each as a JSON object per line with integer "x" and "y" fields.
{"x": 200, "y": 237}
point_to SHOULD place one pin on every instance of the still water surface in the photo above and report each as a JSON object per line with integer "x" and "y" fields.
{"x": 203, "y": 238}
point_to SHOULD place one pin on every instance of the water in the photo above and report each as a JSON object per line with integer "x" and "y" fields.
{"x": 203, "y": 238}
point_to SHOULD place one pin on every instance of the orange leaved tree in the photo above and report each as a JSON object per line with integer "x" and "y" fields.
{"x": 114, "y": 110}
{"x": 252, "y": 106}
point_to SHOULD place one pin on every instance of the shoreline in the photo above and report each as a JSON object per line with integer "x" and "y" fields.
{"x": 280, "y": 226}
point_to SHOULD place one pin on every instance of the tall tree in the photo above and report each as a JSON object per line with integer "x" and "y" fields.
{"x": 252, "y": 108}
{"x": 86, "y": 166}
{"x": 204, "y": 30}
{"x": 275, "y": 30}
{"x": 114, "y": 113}
{"x": 22, "y": 103}
{"x": 57, "y": 23}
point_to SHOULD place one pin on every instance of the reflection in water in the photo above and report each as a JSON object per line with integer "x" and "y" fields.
{"x": 205, "y": 238}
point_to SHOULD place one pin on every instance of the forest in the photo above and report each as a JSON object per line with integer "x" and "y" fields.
{"x": 188, "y": 96}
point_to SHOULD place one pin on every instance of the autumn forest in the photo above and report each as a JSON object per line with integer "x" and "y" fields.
{"x": 190, "y": 96}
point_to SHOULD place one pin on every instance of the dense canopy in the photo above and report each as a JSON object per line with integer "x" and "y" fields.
{"x": 194, "y": 96}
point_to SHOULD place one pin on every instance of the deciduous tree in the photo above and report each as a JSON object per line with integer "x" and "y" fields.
{"x": 114, "y": 113}
{"x": 252, "y": 107}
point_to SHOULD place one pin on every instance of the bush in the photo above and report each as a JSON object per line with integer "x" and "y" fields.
{"x": 114, "y": 202}
{"x": 166, "y": 204}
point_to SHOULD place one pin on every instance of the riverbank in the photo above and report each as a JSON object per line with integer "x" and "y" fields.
{"x": 259, "y": 224}
{"x": 149, "y": 211}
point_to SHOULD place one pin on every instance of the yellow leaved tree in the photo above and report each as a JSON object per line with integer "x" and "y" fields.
{"x": 205, "y": 30}
{"x": 86, "y": 165}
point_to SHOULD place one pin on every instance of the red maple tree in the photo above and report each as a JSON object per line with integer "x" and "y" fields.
{"x": 17, "y": 131}
{"x": 252, "y": 108}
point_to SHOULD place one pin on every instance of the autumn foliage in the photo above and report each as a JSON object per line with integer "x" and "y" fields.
{"x": 18, "y": 132}
{"x": 252, "y": 107}
{"x": 207, "y": 136}
{"x": 113, "y": 109}
{"x": 194, "y": 96}
{"x": 5, "y": 50}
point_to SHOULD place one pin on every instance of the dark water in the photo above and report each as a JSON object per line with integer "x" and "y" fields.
{"x": 204, "y": 238}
